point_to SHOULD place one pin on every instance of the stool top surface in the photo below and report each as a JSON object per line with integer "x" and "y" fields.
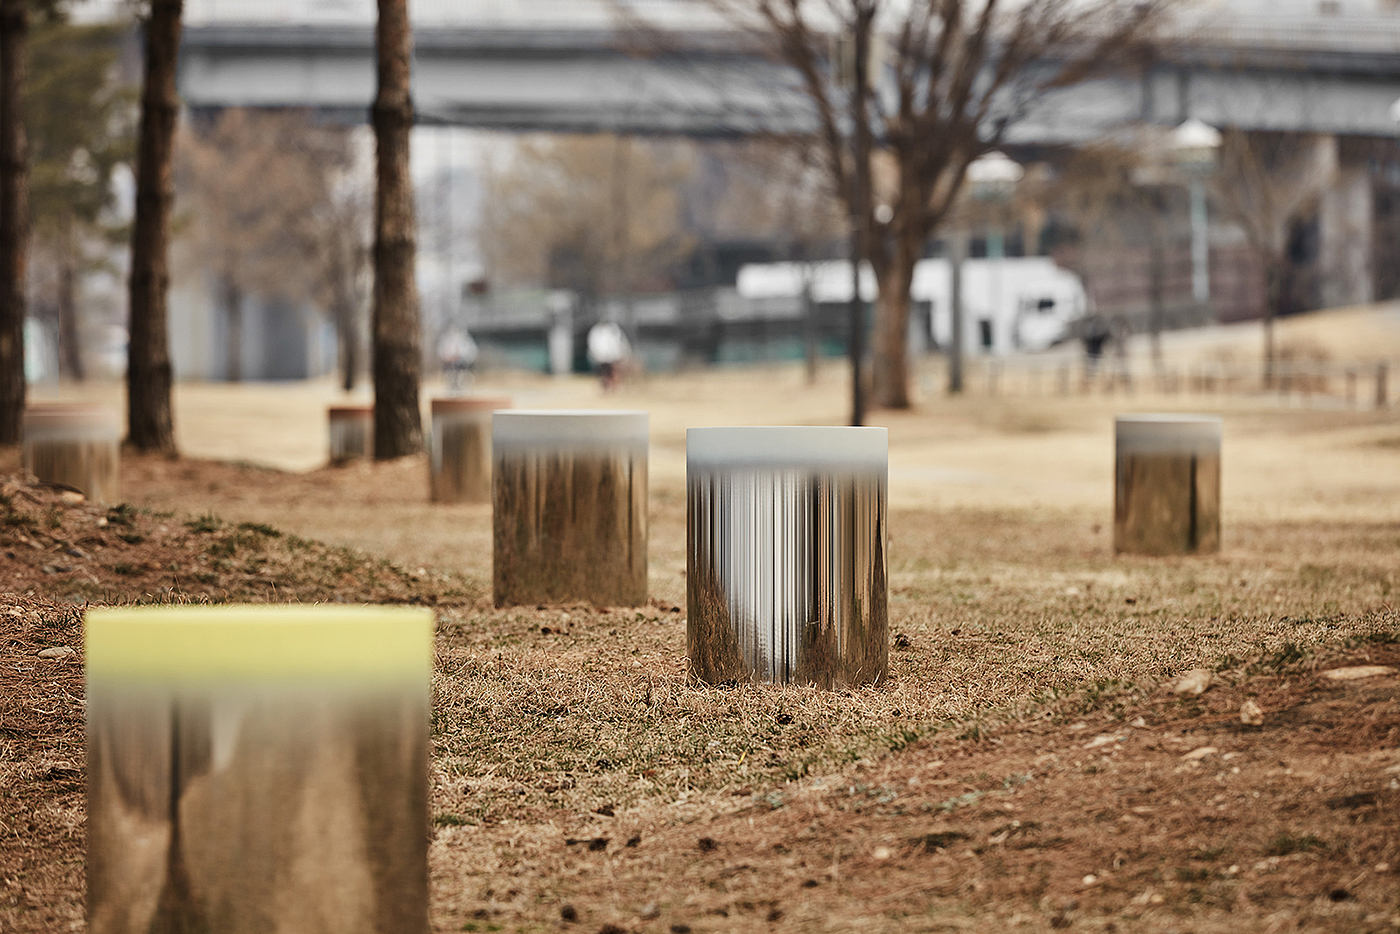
{"x": 788, "y": 446}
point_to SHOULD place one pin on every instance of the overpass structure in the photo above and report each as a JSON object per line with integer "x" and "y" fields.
{"x": 674, "y": 67}
{"x": 595, "y": 65}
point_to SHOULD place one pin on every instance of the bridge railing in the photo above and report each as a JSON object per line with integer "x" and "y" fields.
{"x": 1358, "y": 385}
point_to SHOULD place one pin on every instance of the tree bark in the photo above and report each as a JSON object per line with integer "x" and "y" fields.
{"x": 957, "y": 250}
{"x": 348, "y": 336}
{"x": 69, "y": 341}
{"x": 397, "y": 355}
{"x": 1273, "y": 297}
{"x": 150, "y": 426}
{"x": 14, "y": 217}
{"x": 233, "y": 316}
{"x": 892, "y": 328}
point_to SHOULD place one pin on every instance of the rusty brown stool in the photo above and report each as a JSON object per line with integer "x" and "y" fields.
{"x": 569, "y": 507}
{"x": 460, "y": 453}
{"x": 1167, "y": 488}
{"x": 74, "y": 445}
{"x": 351, "y": 432}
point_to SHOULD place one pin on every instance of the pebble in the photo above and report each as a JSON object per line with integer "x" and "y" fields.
{"x": 649, "y": 912}
{"x": 1200, "y": 753}
{"x": 72, "y": 497}
{"x": 1251, "y": 714}
{"x": 882, "y": 853}
{"x": 1194, "y": 683}
{"x": 55, "y": 651}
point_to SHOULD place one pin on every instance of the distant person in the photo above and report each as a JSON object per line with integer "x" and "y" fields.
{"x": 607, "y": 349}
{"x": 1094, "y": 335}
{"x": 457, "y": 353}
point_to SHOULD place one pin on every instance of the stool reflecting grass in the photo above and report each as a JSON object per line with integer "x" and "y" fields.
{"x": 258, "y": 769}
{"x": 74, "y": 445}
{"x": 1167, "y": 484}
{"x": 785, "y": 555}
{"x": 460, "y": 451}
{"x": 569, "y": 498}
{"x": 351, "y": 432}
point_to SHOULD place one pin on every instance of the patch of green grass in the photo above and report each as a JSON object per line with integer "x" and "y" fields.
{"x": 122, "y": 514}
{"x": 205, "y": 523}
{"x": 448, "y": 819}
{"x": 1285, "y": 844}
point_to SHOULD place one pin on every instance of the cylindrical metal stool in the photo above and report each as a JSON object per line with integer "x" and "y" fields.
{"x": 352, "y": 432}
{"x": 75, "y": 445}
{"x": 258, "y": 769}
{"x": 460, "y": 456}
{"x": 785, "y": 555}
{"x": 569, "y": 497}
{"x": 1167, "y": 490}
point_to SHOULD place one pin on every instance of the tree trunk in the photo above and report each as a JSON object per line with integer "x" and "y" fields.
{"x": 14, "y": 217}
{"x": 957, "y": 249}
{"x": 397, "y": 356}
{"x": 69, "y": 343}
{"x": 809, "y": 325}
{"x": 233, "y": 315}
{"x": 1156, "y": 278}
{"x": 892, "y": 330}
{"x": 348, "y": 336}
{"x": 150, "y": 425}
{"x": 1273, "y": 297}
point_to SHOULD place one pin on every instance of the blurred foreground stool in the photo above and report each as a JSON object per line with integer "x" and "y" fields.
{"x": 1167, "y": 494}
{"x": 785, "y": 554}
{"x": 352, "y": 432}
{"x": 75, "y": 445}
{"x": 258, "y": 769}
{"x": 569, "y": 497}
{"x": 460, "y": 462}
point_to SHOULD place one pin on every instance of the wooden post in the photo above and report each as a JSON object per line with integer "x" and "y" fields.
{"x": 258, "y": 769}
{"x": 1167, "y": 493}
{"x": 1382, "y": 396}
{"x": 785, "y": 555}
{"x": 76, "y": 446}
{"x": 569, "y": 498}
{"x": 352, "y": 432}
{"x": 460, "y": 454}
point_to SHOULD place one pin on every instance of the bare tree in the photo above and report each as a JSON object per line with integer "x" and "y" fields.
{"x": 80, "y": 127}
{"x": 343, "y": 261}
{"x": 1265, "y": 182}
{"x": 596, "y": 214}
{"x": 957, "y": 74}
{"x": 397, "y": 355}
{"x": 266, "y": 216}
{"x": 779, "y": 191}
{"x": 150, "y": 424}
{"x": 14, "y": 216}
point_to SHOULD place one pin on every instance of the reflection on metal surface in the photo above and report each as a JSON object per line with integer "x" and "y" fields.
{"x": 459, "y": 461}
{"x": 1167, "y": 485}
{"x": 258, "y": 769}
{"x": 786, "y": 565}
{"x": 74, "y": 445}
{"x": 569, "y": 508}
{"x": 351, "y": 432}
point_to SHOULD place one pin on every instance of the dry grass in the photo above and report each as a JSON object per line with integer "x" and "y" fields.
{"x": 578, "y": 773}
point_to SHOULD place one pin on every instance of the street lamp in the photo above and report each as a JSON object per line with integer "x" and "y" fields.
{"x": 1194, "y": 148}
{"x": 993, "y": 177}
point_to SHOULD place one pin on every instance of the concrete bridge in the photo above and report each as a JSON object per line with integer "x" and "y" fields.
{"x": 575, "y": 65}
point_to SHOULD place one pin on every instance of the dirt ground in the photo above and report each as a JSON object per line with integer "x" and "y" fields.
{"x": 1028, "y": 765}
